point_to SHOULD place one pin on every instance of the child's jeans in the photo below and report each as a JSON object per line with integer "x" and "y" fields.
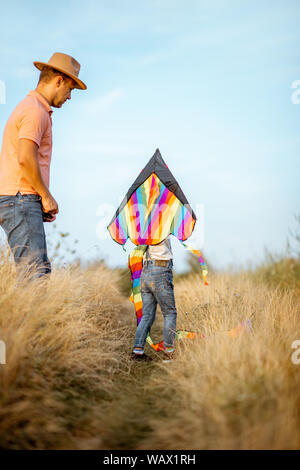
{"x": 157, "y": 288}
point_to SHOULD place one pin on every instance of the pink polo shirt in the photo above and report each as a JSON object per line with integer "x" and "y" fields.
{"x": 31, "y": 119}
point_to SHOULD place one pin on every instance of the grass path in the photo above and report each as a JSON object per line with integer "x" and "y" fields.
{"x": 132, "y": 410}
{"x": 131, "y": 415}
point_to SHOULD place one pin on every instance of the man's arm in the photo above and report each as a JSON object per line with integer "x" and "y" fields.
{"x": 28, "y": 160}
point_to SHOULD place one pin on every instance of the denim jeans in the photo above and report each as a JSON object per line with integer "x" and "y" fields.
{"x": 21, "y": 217}
{"x": 157, "y": 288}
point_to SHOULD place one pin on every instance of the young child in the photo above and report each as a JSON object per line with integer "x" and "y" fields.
{"x": 157, "y": 288}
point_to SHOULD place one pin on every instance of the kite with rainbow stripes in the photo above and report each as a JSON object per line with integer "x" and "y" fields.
{"x": 153, "y": 208}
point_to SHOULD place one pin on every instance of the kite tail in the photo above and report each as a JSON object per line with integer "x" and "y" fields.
{"x": 198, "y": 253}
{"x": 180, "y": 334}
{"x": 135, "y": 264}
{"x": 245, "y": 326}
{"x": 158, "y": 346}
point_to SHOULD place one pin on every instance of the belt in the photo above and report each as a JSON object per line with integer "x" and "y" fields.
{"x": 29, "y": 196}
{"x": 158, "y": 262}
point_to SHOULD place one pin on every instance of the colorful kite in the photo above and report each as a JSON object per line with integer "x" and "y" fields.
{"x": 153, "y": 208}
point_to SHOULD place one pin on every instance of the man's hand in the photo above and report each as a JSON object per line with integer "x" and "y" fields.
{"x": 49, "y": 204}
{"x": 47, "y": 217}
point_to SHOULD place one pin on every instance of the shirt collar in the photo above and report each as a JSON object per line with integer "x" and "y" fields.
{"x": 42, "y": 100}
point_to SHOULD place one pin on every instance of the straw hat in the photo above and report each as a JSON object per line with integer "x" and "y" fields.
{"x": 66, "y": 64}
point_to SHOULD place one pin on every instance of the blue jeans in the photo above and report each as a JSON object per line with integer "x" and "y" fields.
{"x": 21, "y": 217}
{"x": 157, "y": 288}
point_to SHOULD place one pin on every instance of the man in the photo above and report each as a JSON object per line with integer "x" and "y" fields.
{"x": 157, "y": 288}
{"x": 25, "y": 199}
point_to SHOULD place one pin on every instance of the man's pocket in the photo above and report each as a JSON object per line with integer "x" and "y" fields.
{"x": 7, "y": 212}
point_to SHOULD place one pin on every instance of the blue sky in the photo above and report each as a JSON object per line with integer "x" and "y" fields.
{"x": 207, "y": 82}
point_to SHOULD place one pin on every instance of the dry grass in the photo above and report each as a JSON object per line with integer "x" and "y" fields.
{"x": 68, "y": 382}
{"x": 64, "y": 347}
{"x": 239, "y": 393}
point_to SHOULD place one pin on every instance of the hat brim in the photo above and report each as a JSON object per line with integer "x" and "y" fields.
{"x": 81, "y": 85}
